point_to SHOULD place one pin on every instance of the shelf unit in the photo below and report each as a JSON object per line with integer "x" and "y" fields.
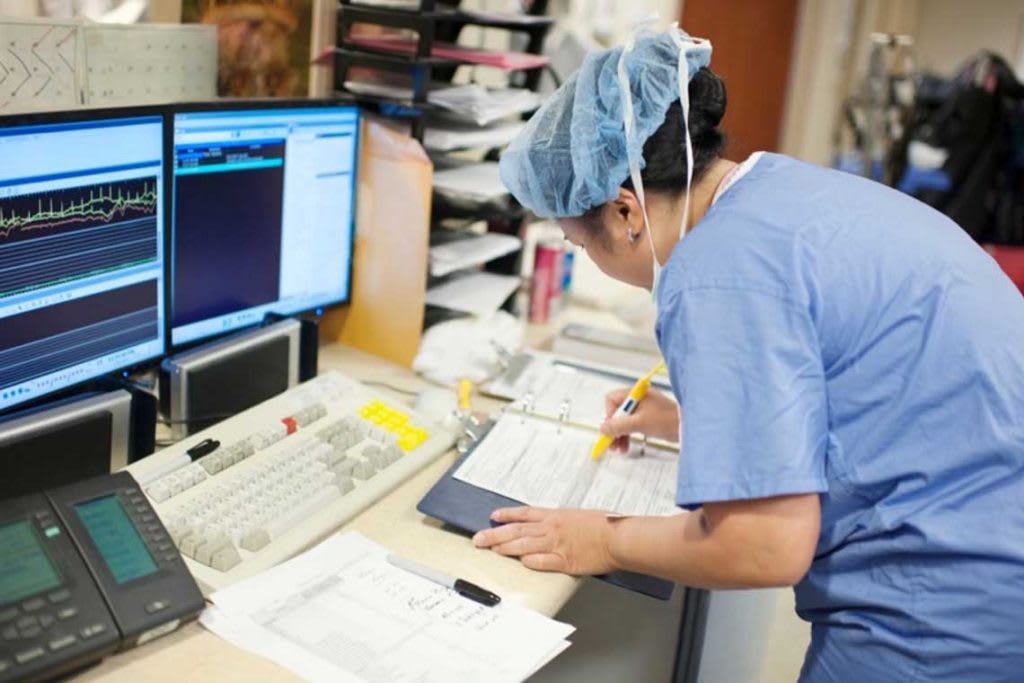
{"x": 434, "y": 21}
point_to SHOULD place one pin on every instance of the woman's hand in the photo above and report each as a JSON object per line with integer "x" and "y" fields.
{"x": 657, "y": 416}
{"x": 569, "y": 541}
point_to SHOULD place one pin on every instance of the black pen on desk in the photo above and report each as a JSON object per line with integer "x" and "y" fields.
{"x": 463, "y": 588}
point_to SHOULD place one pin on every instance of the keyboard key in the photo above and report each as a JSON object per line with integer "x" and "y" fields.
{"x": 32, "y": 632}
{"x": 212, "y": 464}
{"x": 188, "y": 544}
{"x": 364, "y": 470}
{"x": 59, "y": 596}
{"x": 159, "y": 491}
{"x": 26, "y": 622}
{"x": 45, "y": 620}
{"x": 10, "y": 633}
{"x": 206, "y": 551}
{"x": 67, "y": 613}
{"x": 226, "y": 558}
{"x": 393, "y": 453}
{"x": 5, "y": 664}
{"x": 345, "y": 484}
{"x": 8, "y": 614}
{"x": 344, "y": 467}
{"x": 256, "y": 540}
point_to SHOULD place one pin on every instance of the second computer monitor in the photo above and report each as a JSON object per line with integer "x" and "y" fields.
{"x": 263, "y": 215}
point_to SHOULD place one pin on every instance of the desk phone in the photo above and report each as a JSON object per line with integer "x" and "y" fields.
{"x": 85, "y": 570}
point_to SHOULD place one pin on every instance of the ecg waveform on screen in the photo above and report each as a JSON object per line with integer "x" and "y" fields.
{"x": 50, "y": 238}
{"x": 28, "y": 216}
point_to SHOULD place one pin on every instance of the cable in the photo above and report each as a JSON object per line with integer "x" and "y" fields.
{"x": 554, "y": 75}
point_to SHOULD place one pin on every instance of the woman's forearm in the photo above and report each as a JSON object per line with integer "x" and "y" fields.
{"x": 748, "y": 549}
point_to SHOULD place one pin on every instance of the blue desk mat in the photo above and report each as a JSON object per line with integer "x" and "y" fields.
{"x": 469, "y": 508}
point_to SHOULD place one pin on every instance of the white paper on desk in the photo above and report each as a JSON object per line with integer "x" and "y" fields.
{"x": 543, "y": 463}
{"x": 477, "y": 292}
{"x": 458, "y": 254}
{"x": 341, "y": 612}
{"x": 478, "y": 181}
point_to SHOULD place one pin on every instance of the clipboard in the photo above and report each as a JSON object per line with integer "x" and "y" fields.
{"x": 515, "y": 365}
{"x": 469, "y": 508}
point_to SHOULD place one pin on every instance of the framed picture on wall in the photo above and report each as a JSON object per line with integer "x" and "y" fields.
{"x": 265, "y": 46}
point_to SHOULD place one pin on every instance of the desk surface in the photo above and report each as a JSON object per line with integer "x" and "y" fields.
{"x": 193, "y": 653}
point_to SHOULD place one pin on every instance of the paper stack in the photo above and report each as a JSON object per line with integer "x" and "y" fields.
{"x": 443, "y": 136}
{"x": 470, "y": 250}
{"x": 340, "y": 612}
{"x": 474, "y": 181}
{"x": 473, "y": 292}
{"x": 472, "y": 103}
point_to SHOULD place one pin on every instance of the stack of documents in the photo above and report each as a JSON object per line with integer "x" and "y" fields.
{"x": 475, "y": 181}
{"x": 484, "y": 105}
{"x": 448, "y": 136}
{"x": 473, "y": 102}
{"x": 473, "y": 292}
{"x": 468, "y": 251}
{"x": 342, "y": 613}
{"x": 468, "y": 102}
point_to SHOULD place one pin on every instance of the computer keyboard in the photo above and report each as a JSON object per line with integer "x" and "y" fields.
{"x": 288, "y": 472}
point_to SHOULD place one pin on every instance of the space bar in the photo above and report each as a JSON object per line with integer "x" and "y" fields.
{"x": 296, "y": 515}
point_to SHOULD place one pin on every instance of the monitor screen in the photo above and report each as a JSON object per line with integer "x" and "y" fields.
{"x": 81, "y": 251}
{"x": 263, "y": 215}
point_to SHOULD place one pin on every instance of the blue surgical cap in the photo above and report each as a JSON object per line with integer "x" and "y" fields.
{"x": 572, "y": 154}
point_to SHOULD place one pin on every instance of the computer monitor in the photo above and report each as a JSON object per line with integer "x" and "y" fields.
{"x": 81, "y": 248}
{"x": 263, "y": 214}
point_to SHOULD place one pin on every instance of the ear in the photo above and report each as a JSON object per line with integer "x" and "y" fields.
{"x": 626, "y": 216}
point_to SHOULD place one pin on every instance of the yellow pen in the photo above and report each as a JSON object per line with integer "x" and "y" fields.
{"x": 465, "y": 390}
{"x": 636, "y": 394}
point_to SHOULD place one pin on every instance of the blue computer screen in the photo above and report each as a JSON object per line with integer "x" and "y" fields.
{"x": 263, "y": 215}
{"x": 81, "y": 252}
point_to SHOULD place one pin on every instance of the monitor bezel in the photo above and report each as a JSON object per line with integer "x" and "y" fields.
{"x": 254, "y": 104}
{"x": 85, "y": 115}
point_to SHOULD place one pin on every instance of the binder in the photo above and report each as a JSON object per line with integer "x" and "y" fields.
{"x": 468, "y": 507}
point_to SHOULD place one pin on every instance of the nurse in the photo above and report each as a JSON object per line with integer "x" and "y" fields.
{"x": 849, "y": 367}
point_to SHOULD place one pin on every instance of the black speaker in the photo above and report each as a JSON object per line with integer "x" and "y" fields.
{"x": 65, "y": 441}
{"x": 309, "y": 344}
{"x": 206, "y": 384}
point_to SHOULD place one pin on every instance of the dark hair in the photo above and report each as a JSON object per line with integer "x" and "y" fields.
{"x": 665, "y": 150}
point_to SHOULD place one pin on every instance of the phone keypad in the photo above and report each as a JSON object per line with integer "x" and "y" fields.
{"x": 44, "y": 624}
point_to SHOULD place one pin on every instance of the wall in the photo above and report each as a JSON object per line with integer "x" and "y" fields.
{"x": 949, "y": 31}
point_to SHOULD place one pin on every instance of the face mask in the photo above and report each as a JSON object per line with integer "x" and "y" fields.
{"x": 686, "y": 45}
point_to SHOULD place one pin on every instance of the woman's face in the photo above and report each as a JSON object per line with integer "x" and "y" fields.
{"x": 615, "y": 239}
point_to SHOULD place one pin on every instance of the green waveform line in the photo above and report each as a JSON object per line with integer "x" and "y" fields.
{"x": 102, "y": 207}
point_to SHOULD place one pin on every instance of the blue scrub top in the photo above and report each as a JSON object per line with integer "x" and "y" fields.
{"x": 826, "y": 334}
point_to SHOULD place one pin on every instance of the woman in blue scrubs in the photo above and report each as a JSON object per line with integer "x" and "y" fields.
{"x": 849, "y": 368}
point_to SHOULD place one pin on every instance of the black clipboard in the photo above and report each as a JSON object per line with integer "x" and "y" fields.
{"x": 469, "y": 508}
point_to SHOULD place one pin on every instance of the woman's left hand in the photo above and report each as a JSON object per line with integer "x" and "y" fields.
{"x": 569, "y": 541}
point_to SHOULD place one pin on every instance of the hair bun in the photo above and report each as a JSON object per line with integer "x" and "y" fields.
{"x": 707, "y": 99}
